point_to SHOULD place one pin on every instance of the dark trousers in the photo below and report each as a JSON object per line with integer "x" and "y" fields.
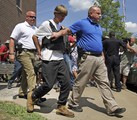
{"x": 17, "y": 71}
{"x": 52, "y": 71}
{"x": 113, "y": 65}
{"x": 69, "y": 65}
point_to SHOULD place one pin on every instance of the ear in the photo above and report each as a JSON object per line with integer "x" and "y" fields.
{"x": 90, "y": 13}
{"x": 26, "y": 18}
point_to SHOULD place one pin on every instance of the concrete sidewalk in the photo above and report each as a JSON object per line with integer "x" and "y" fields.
{"x": 91, "y": 102}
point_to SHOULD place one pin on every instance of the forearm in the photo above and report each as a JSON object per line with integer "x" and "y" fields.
{"x": 11, "y": 46}
{"x": 65, "y": 31}
{"x": 11, "y": 50}
{"x": 36, "y": 42}
{"x": 131, "y": 49}
{"x": 4, "y": 53}
{"x": 103, "y": 55}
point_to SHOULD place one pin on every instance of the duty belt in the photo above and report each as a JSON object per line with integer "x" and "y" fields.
{"x": 29, "y": 50}
{"x": 93, "y": 54}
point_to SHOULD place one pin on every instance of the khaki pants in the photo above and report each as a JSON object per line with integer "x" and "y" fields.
{"x": 28, "y": 81}
{"x": 93, "y": 67}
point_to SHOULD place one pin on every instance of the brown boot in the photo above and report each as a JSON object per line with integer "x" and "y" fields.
{"x": 62, "y": 110}
{"x": 30, "y": 102}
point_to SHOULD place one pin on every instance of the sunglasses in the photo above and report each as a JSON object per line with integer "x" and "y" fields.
{"x": 34, "y": 17}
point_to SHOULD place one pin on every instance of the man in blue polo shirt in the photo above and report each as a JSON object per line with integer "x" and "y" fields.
{"x": 89, "y": 42}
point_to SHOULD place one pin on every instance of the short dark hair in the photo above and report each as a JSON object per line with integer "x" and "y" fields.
{"x": 111, "y": 33}
{"x": 92, "y": 8}
{"x": 126, "y": 40}
{"x": 61, "y": 9}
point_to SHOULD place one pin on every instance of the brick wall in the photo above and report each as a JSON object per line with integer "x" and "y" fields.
{"x": 10, "y": 15}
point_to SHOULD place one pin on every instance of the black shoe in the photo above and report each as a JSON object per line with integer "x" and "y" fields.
{"x": 117, "y": 112}
{"x": 23, "y": 96}
{"x": 40, "y": 100}
{"x": 9, "y": 86}
{"x": 76, "y": 109}
{"x": 118, "y": 90}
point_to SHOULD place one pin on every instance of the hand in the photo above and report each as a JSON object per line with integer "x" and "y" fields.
{"x": 12, "y": 58}
{"x": 39, "y": 55}
{"x": 54, "y": 36}
{"x": 128, "y": 46}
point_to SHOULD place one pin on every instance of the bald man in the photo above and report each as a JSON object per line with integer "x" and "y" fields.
{"x": 89, "y": 43}
{"x": 22, "y": 35}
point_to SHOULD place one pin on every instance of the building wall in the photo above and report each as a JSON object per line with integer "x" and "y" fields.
{"x": 10, "y": 15}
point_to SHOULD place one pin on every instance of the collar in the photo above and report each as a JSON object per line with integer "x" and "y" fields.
{"x": 92, "y": 22}
{"x": 27, "y": 24}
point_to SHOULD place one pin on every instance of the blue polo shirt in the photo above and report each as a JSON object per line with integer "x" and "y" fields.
{"x": 89, "y": 35}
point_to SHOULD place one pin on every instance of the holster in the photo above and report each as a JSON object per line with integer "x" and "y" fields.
{"x": 19, "y": 48}
{"x": 81, "y": 56}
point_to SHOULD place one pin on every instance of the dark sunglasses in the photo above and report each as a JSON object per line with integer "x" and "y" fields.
{"x": 34, "y": 17}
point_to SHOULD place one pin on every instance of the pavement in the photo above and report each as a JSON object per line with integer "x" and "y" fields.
{"x": 91, "y": 102}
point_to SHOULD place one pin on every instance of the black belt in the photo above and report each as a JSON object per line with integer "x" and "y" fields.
{"x": 93, "y": 54}
{"x": 29, "y": 50}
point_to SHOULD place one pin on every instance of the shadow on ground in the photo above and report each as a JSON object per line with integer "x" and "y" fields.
{"x": 2, "y": 86}
{"x": 48, "y": 106}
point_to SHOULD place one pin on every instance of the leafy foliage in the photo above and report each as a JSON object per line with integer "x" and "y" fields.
{"x": 111, "y": 20}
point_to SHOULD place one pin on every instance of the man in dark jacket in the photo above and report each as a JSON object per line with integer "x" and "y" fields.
{"x": 112, "y": 59}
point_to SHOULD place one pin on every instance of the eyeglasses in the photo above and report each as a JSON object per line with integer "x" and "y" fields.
{"x": 34, "y": 17}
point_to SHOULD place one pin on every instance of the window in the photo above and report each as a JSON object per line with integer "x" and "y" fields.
{"x": 19, "y": 4}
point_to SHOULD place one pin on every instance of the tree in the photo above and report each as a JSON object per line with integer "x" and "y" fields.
{"x": 111, "y": 20}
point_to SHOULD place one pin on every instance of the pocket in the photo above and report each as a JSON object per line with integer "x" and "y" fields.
{"x": 82, "y": 59}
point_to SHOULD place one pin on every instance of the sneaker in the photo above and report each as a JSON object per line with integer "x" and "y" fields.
{"x": 62, "y": 110}
{"x": 118, "y": 90}
{"x": 9, "y": 86}
{"x": 124, "y": 86}
{"x": 23, "y": 96}
{"x": 76, "y": 109}
{"x": 117, "y": 112}
{"x": 30, "y": 103}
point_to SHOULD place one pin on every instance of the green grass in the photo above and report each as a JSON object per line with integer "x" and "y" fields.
{"x": 12, "y": 111}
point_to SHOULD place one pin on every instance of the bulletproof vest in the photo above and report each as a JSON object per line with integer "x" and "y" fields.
{"x": 58, "y": 44}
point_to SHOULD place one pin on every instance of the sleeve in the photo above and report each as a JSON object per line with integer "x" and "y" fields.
{"x": 75, "y": 27}
{"x": 16, "y": 32}
{"x": 43, "y": 30}
{"x": 104, "y": 45}
{"x": 123, "y": 44}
